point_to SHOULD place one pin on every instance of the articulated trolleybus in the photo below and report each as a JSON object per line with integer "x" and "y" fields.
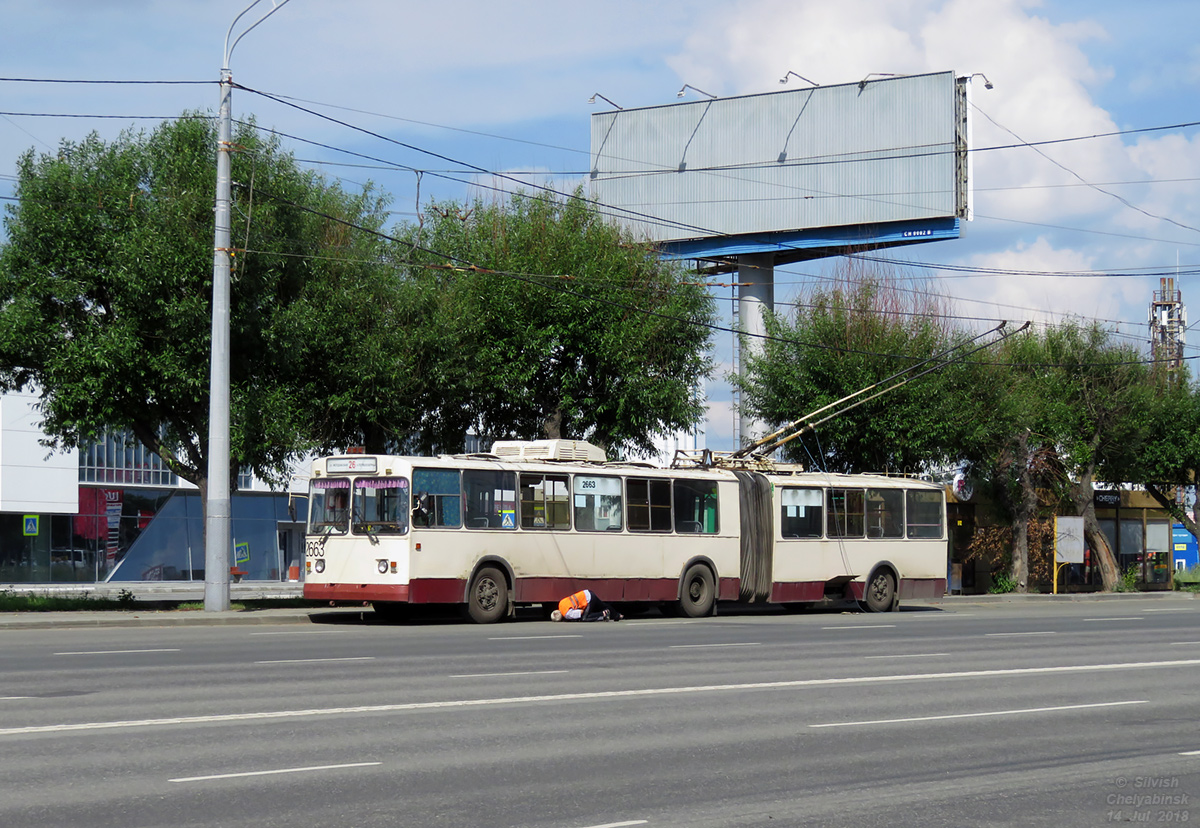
{"x": 531, "y": 522}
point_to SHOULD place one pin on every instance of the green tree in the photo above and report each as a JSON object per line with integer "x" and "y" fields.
{"x": 556, "y": 323}
{"x": 1015, "y": 459}
{"x": 864, "y": 329}
{"x": 106, "y": 280}
{"x": 1169, "y": 458}
{"x": 1098, "y": 397}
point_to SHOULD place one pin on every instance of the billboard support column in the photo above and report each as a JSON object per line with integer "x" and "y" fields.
{"x": 756, "y": 295}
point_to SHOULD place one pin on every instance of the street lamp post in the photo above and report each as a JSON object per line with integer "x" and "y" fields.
{"x": 217, "y": 512}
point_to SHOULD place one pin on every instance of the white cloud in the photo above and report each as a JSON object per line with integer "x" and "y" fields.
{"x": 1031, "y": 297}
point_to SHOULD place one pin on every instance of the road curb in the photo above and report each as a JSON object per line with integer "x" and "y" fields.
{"x": 1014, "y": 597}
{"x": 165, "y": 618}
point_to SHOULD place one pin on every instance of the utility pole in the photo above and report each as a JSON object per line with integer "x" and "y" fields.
{"x": 218, "y": 503}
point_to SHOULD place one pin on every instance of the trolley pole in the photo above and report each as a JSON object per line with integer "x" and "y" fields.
{"x": 217, "y": 507}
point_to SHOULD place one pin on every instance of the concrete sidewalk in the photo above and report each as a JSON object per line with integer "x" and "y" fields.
{"x": 148, "y": 598}
{"x": 159, "y": 591}
{"x": 1163, "y": 595}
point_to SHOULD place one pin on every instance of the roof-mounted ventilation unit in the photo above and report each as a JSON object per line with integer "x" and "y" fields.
{"x": 578, "y": 450}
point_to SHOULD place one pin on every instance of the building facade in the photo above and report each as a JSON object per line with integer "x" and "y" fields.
{"x": 113, "y": 512}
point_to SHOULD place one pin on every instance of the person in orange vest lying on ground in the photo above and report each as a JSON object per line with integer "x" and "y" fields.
{"x": 584, "y": 606}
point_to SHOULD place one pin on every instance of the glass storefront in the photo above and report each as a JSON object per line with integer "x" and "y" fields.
{"x": 148, "y": 534}
{"x": 1143, "y": 548}
{"x": 45, "y": 549}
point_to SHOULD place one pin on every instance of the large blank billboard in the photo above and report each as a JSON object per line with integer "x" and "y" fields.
{"x": 866, "y": 153}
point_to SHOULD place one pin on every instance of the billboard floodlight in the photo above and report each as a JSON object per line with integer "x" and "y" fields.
{"x": 592, "y": 100}
{"x": 688, "y": 86}
{"x": 790, "y": 73}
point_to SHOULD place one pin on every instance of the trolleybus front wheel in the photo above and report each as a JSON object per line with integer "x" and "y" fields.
{"x": 487, "y": 601}
{"x": 880, "y": 593}
{"x": 699, "y": 592}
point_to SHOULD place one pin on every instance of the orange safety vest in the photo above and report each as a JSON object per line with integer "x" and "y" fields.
{"x": 577, "y": 601}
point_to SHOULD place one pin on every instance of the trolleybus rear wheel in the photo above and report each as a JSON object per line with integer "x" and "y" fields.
{"x": 880, "y": 593}
{"x": 488, "y": 598}
{"x": 699, "y": 593}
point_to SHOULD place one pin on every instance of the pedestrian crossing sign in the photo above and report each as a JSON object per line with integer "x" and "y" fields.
{"x": 508, "y": 520}
{"x": 31, "y": 525}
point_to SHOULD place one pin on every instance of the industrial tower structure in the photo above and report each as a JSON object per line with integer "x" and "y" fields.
{"x": 1168, "y": 326}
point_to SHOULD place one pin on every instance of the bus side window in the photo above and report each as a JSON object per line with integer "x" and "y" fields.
{"x": 437, "y": 500}
{"x": 696, "y": 507}
{"x": 544, "y": 501}
{"x": 598, "y": 504}
{"x": 801, "y": 513}
{"x": 649, "y": 503}
{"x": 491, "y": 499}
{"x": 925, "y": 512}
{"x": 885, "y": 513}
{"x": 845, "y": 515}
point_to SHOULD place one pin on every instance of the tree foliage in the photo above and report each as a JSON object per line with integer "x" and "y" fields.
{"x": 106, "y": 283}
{"x": 1083, "y": 405}
{"x": 1098, "y": 393}
{"x": 560, "y": 324}
{"x": 340, "y": 334}
{"x": 840, "y": 340}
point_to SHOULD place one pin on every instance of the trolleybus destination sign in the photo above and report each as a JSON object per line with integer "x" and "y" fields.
{"x": 351, "y": 464}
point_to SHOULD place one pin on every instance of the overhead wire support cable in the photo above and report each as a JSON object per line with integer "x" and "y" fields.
{"x": 464, "y": 265}
{"x": 115, "y": 82}
{"x": 607, "y": 209}
{"x": 469, "y": 166}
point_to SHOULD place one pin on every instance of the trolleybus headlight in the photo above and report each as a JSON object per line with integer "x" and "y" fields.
{"x": 383, "y": 566}
{"x": 320, "y": 564}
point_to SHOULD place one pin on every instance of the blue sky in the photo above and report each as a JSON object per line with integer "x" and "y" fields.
{"x": 504, "y": 86}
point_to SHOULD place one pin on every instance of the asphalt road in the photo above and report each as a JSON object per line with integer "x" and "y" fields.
{"x": 1079, "y": 714}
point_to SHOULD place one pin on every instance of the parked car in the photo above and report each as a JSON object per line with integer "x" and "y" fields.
{"x": 75, "y": 558}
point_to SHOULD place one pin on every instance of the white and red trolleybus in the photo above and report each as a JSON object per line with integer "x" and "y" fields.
{"x": 532, "y": 522}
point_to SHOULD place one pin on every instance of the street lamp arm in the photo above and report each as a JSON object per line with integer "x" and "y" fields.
{"x": 276, "y": 5}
